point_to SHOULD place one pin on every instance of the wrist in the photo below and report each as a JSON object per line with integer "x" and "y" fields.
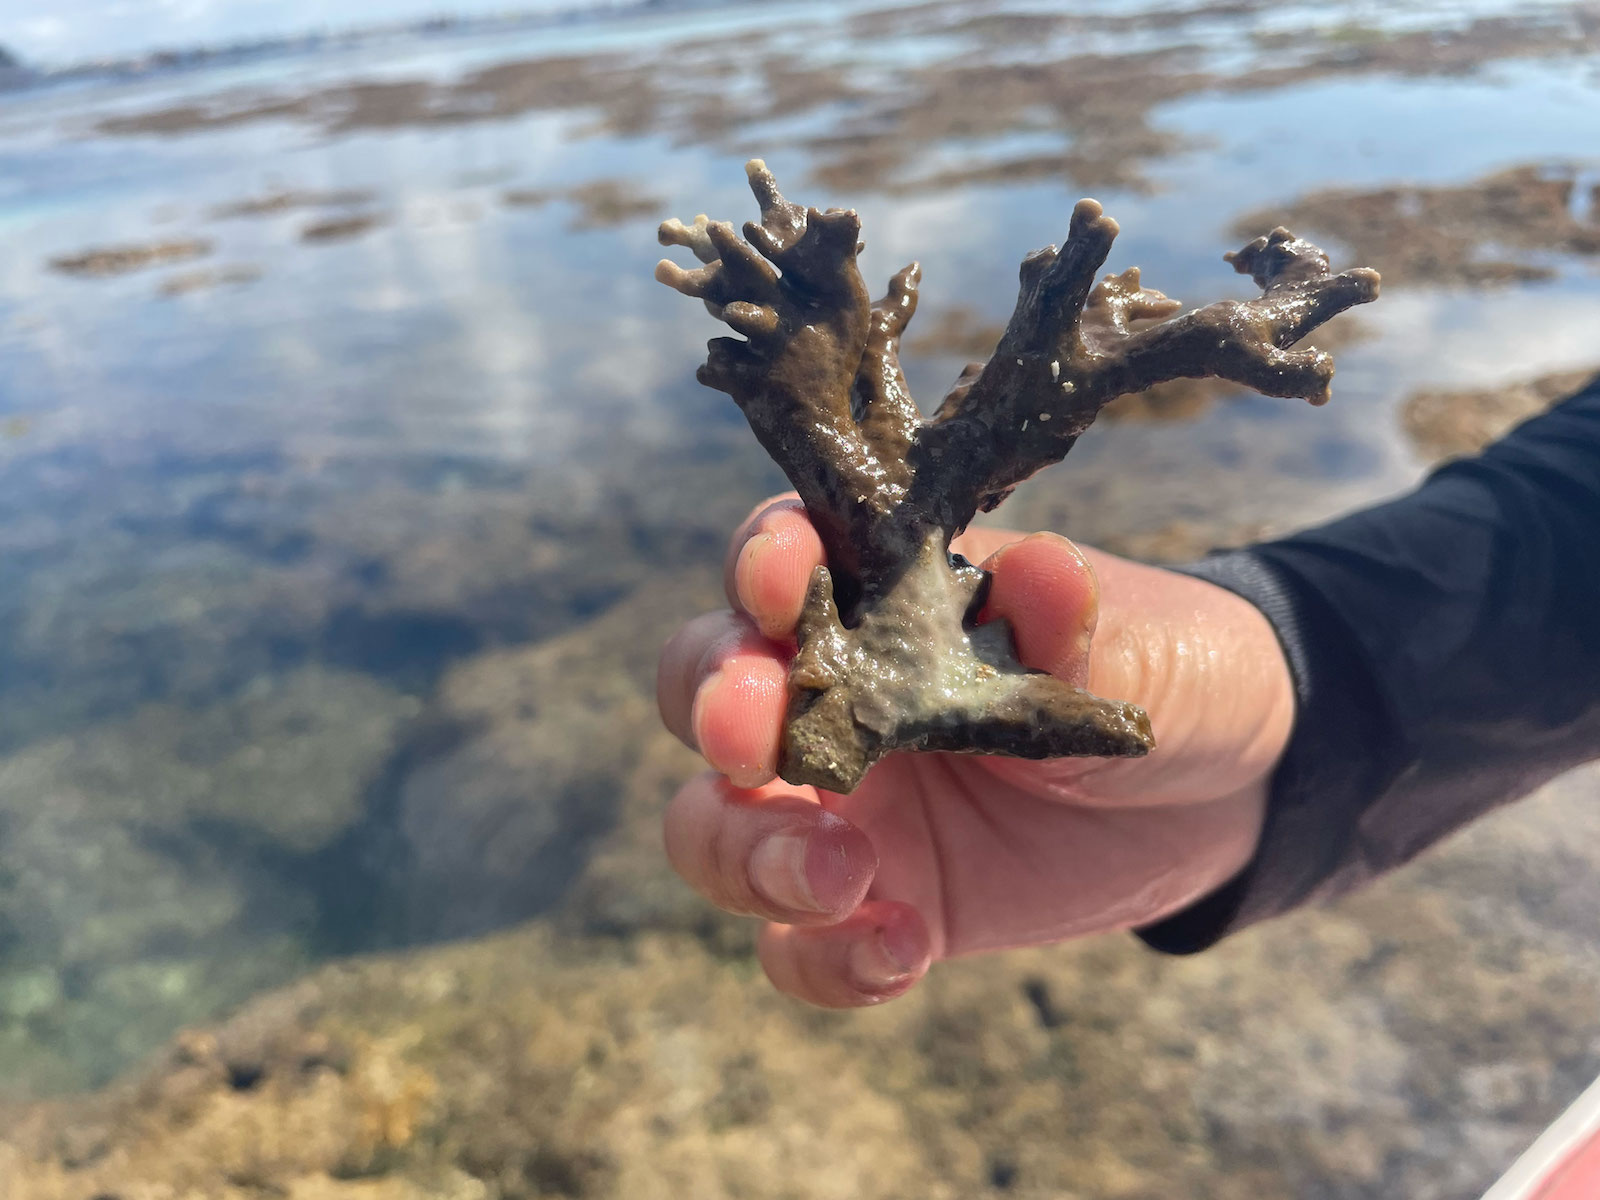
{"x": 1334, "y": 755}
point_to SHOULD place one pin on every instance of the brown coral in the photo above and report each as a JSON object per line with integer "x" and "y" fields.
{"x": 890, "y": 654}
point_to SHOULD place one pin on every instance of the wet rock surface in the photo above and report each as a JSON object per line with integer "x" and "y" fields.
{"x": 1485, "y": 232}
{"x": 537, "y": 1063}
{"x": 187, "y": 282}
{"x": 119, "y": 260}
{"x": 887, "y": 119}
{"x": 282, "y": 200}
{"x": 340, "y": 229}
{"x": 598, "y": 204}
{"x": 1445, "y": 424}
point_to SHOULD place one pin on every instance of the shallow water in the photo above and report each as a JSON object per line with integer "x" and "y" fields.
{"x": 247, "y": 528}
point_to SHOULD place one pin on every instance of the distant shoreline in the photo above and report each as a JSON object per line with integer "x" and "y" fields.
{"x": 18, "y": 75}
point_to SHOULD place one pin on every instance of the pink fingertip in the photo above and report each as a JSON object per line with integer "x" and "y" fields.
{"x": 905, "y": 941}
{"x": 774, "y": 570}
{"x": 743, "y": 584}
{"x": 738, "y": 718}
{"x": 1045, "y": 587}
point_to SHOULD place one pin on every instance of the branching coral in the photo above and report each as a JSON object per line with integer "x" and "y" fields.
{"x": 890, "y": 654}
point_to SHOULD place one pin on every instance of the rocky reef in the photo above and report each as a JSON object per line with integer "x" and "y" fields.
{"x": 1405, "y": 1044}
{"x": 119, "y": 260}
{"x": 1507, "y": 227}
{"x": 1453, "y": 422}
{"x": 136, "y": 852}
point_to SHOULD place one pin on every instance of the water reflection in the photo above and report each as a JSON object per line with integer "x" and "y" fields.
{"x": 333, "y": 579}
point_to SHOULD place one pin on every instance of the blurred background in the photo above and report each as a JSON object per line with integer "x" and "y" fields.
{"x": 352, "y": 469}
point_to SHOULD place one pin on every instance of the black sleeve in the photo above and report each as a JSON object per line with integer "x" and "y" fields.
{"x": 1445, "y": 649}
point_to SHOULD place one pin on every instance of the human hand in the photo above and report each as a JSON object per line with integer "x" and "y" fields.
{"x": 936, "y": 855}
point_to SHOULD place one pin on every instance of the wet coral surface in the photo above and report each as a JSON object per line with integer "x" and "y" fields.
{"x": 334, "y": 571}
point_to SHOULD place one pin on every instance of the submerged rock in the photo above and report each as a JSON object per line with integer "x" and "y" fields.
{"x": 1450, "y": 423}
{"x": 1398, "y": 1045}
{"x": 119, "y": 260}
{"x": 148, "y": 866}
{"x": 533, "y": 754}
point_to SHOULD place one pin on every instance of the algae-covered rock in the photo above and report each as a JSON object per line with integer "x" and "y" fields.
{"x": 1450, "y": 423}
{"x": 147, "y": 865}
{"x": 535, "y": 752}
{"x": 1390, "y": 1047}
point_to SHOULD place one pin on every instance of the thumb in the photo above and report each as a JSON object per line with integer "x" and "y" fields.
{"x": 1046, "y": 589}
{"x": 1203, "y": 662}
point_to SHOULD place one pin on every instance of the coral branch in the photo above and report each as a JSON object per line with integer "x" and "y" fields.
{"x": 889, "y": 654}
{"x": 805, "y": 328}
{"x": 1071, "y": 348}
{"x": 884, "y": 405}
{"x": 1247, "y": 341}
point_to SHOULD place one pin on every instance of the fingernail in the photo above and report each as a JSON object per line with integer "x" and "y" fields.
{"x": 778, "y": 872}
{"x": 702, "y": 696}
{"x": 1081, "y": 646}
{"x": 885, "y": 959}
{"x": 741, "y": 573}
{"x": 1094, "y": 596}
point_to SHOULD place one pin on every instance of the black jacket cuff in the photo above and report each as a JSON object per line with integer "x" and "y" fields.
{"x": 1333, "y": 762}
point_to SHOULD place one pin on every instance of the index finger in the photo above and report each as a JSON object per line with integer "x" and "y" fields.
{"x": 770, "y": 560}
